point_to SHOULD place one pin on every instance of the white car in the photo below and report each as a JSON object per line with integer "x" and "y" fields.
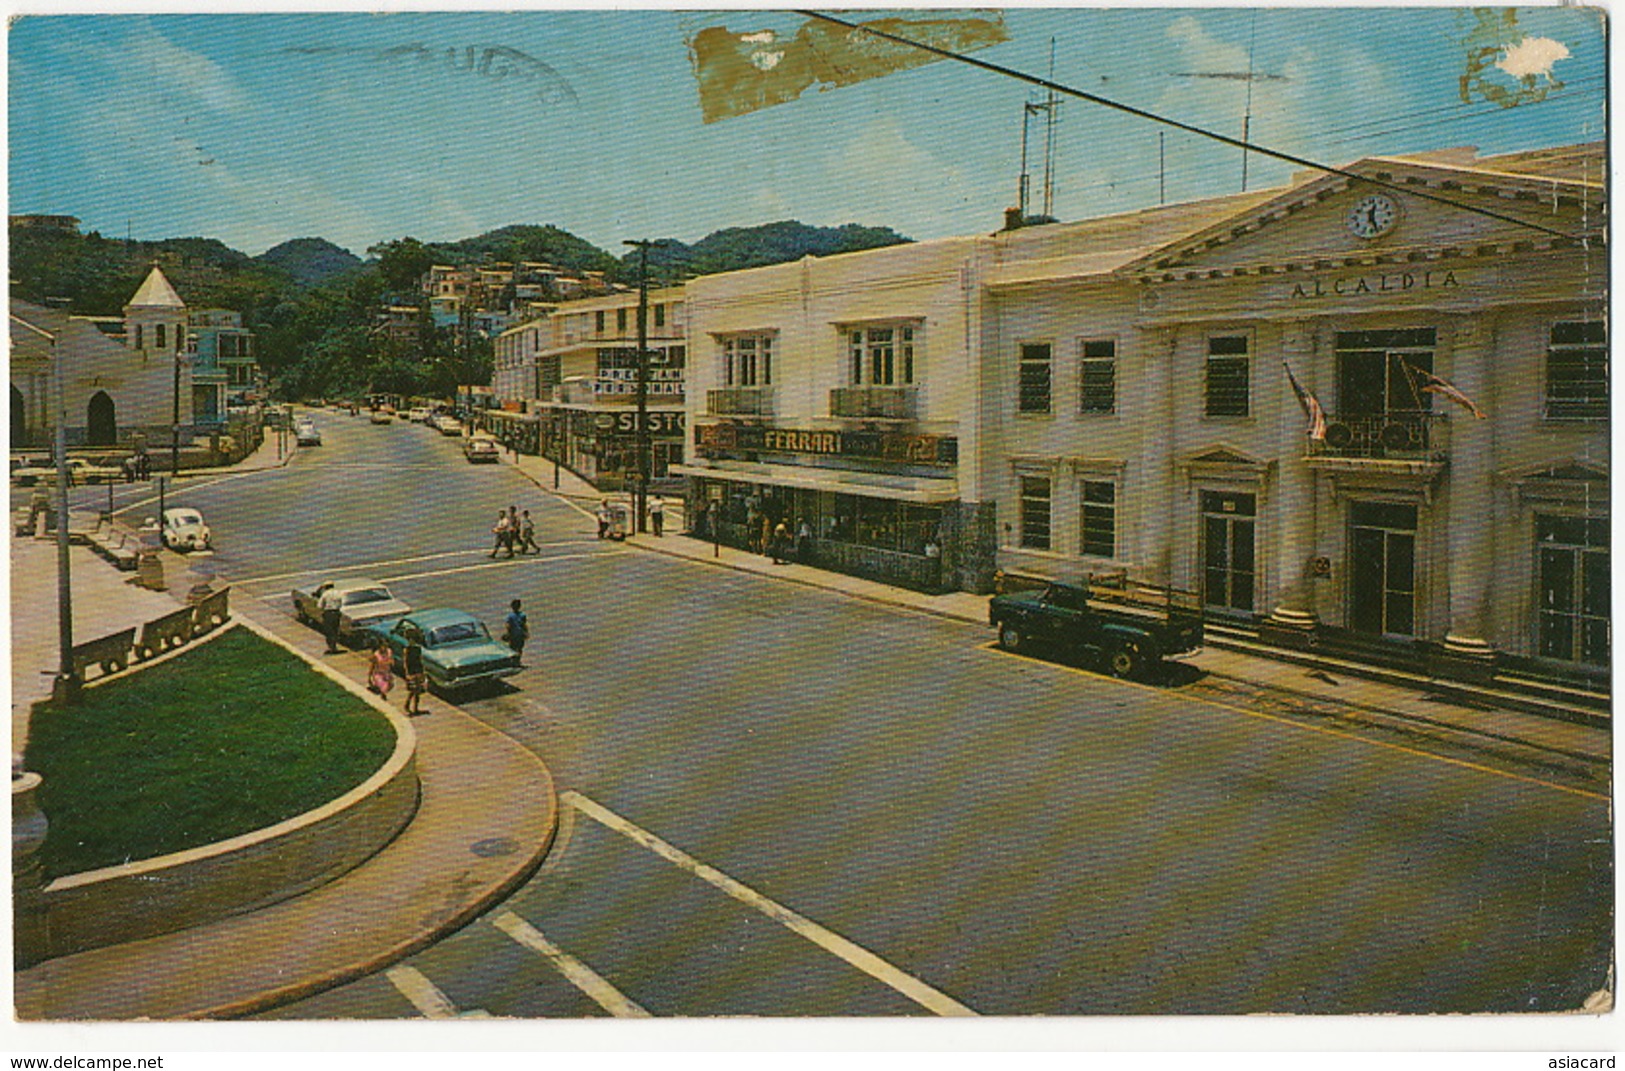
{"x": 183, "y": 529}
{"x": 363, "y": 603}
{"x": 305, "y": 434}
{"x": 450, "y": 425}
{"x": 416, "y": 416}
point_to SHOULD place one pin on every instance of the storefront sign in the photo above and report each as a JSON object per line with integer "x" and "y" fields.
{"x": 663, "y": 422}
{"x": 716, "y": 440}
{"x": 1396, "y": 282}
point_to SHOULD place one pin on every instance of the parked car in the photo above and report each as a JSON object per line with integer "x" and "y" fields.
{"x": 450, "y": 425}
{"x": 458, "y": 650}
{"x": 80, "y": 470}
{"x": 365, "y": 603}
{"x": 381, "y": 416}
{"x": 478, "y": 450}
{"x": 1129, "y": 639}
{"x": 417, "y": 415}
{"x": 305, "y": 434}
{"x": 183, "y": 529}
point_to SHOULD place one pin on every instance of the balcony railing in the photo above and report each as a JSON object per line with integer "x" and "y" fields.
{"x": 739, "y": 401}
{"x": 875, "y": 403}
{"x": 1396, "y": 436}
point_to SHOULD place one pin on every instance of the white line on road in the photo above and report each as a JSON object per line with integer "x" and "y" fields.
{"x": 858, "y": 956}
{"x": 503, "y": 563}
{"x": 577, "y": 973}
{"x": 393, "y": 561}
{"x": 426, "y": 997}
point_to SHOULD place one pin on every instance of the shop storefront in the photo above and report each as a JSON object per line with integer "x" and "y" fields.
{"x": 600, "y": 445}
{"x": 877, "y": 504}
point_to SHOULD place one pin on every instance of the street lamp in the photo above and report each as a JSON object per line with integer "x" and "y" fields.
{"x": 66, "y": 688}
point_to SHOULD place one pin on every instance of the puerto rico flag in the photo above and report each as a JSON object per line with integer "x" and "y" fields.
{"x": 1432, "y": 384}
{"x": 1311, "y": 405}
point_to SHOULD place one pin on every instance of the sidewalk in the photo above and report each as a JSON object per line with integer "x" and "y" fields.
{"x": 1413, "y": 700}
{"x": 486, "y": 818}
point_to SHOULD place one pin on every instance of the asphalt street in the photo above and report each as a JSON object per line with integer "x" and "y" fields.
{"x": 784, "y": 801}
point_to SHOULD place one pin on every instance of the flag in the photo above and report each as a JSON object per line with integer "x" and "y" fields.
{"x": 1311, "y": 405}
{"x": 1432, "y": 384}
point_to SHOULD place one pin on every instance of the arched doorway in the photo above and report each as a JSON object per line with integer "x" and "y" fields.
{"x": 103, "y": 426}
{"x": 19, "y": 419}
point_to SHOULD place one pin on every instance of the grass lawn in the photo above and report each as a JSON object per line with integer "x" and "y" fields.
{"x": 231, "y": 736}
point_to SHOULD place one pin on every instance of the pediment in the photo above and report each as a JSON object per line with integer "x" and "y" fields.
{"x": 1224, "y": 463}
{"x": 1307, "y": 228}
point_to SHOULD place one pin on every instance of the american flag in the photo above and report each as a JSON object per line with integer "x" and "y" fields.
{"x": 1432, "y": 384}
{"x": 1311, "y": 405}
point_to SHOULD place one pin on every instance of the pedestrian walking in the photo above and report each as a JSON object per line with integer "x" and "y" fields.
{"x": 605, "y": 519}
{"x": 513, "y": 529}
{"x": 516, "y": 629}
{"x": 331, "y": 603}
{"x": 380, "y": 669}
{"x": 765, "y": 537}
{"x": 778, "y": 544}
{"x": 753, "y": 528}
{"x": 804, "y": 535}
{"x": 501, "y": 531}
{"x": 527, "y": 534}
{"x": 657, "y": 515}
{"x": 416, "y": 679}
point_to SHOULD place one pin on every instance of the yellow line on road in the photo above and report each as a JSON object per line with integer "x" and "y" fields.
{"x": 577, "y": 973}
{"x": 858, "y": 956}
{"x": 1277, "y": 719}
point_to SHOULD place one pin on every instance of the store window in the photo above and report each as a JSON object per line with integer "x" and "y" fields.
{"x": 1577, "y": 371}
{"x": 1034, "y": 389}
{"x": 1100, "y": 518}
{"x": 747, "y": 361}
{"x": 1098, "y": 376}
{"x": 1035, "y": 512}
{"x": 1228, "y": 374}
{"x": 881, "y": 356}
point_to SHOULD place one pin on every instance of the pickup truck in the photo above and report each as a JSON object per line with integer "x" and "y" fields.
{"x": 365, "y": 603}
{"x": 1129, "y": 640}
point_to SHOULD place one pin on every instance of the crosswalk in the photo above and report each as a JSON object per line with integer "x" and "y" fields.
{"x": 430, "y": 1002}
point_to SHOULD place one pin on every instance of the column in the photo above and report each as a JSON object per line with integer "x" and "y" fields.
{"x": 1158, "y": 488}
{"x": 1469, "y": 525}
{"x": 1293, "y": 620}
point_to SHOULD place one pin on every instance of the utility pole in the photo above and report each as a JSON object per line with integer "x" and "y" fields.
{"x": 175, "y": 423}
{"x": 66, "y": 688}
{"x": 641, "y": 495}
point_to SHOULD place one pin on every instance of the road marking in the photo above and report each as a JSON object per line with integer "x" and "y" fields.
{"x": 499, "y": 564}
{"x": 831, "y": 942}
{"x": 392, "y": 561}
{"x": 1277, "y": 719}
{"x": 426, "y": 997}
{"x": 576, "y": 972}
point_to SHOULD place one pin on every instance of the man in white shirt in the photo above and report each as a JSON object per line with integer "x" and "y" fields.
{"x": 330, "y": 603}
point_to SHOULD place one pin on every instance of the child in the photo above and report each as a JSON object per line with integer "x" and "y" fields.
{"x": 381, "y": 667}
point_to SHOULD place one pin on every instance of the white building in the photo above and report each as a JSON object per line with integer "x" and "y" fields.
{"x": 1112, "y": 396}
{"x": 120, "y": 377}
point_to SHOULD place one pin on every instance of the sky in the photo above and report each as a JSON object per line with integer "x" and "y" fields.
{"x": 361, "y": 128}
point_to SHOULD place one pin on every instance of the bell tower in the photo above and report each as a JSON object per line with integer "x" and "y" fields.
{"x": 155, "y": 318}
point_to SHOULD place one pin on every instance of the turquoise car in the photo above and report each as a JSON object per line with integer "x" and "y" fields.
{"x": 458, "y": 650}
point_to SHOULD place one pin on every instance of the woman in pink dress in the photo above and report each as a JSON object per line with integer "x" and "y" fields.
{"x": 380, "y": 669}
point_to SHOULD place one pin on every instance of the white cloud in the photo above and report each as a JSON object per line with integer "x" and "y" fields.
{"x": 1533, "y": 57}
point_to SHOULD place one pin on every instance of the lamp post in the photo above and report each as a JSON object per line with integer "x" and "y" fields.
{"x": 66, "y": 688}
{"x": 175, "y": 422}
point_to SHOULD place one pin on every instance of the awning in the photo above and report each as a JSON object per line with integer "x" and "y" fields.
{"x": 921, "y": 490}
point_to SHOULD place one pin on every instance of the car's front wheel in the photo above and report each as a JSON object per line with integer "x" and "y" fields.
{"x": 1125, "y": 660}
{"x": 1010, "y": 638}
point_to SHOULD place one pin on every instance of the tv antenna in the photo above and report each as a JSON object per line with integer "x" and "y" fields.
{"x": 1050, "y": 108}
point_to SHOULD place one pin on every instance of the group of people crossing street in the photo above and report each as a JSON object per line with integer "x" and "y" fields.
{"x": 515, "y": 533}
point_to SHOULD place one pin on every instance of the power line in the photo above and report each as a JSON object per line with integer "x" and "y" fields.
{"x": 1093, "y": 98}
